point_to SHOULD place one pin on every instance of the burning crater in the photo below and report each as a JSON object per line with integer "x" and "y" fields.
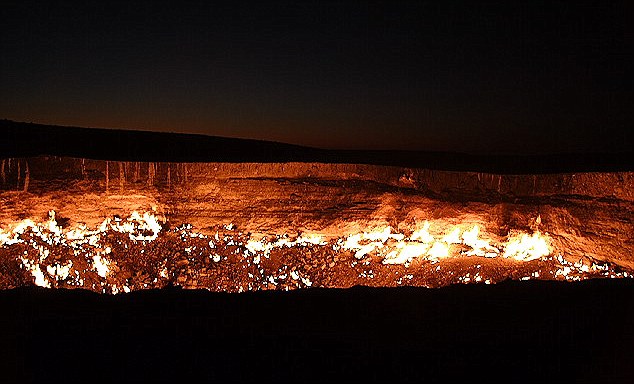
{"x": 114, "y": 227}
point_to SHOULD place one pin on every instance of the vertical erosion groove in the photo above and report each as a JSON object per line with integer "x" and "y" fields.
{"x": 18, "y": 177}
{"x": 121, "y": 176}
{"x": 26, "y": 176}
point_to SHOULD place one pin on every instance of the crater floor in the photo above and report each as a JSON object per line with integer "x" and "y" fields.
{"x": 114, "y": 227}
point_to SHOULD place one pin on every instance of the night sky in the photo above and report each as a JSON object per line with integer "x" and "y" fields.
{"x": 538, "y": 77}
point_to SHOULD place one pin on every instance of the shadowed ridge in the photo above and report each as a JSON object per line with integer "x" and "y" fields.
{"x": 28, "y": 140}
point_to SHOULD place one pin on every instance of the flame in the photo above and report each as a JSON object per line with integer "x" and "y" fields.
{"x": 406, "y": 251}
{"x": 526, "y": 247}
{"x": 439, "y": 250}
{"x": 422, "y": 234}
{"x": 139, "y": 227}
{"x": 429, "y": 241}
{"x": 59, "y": 272}
{"x": 393, "y": 247}
{"x": 101, "y": 265}
{"x": 421, "y": 244}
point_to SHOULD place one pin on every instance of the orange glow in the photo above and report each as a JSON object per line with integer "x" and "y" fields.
{"x": 428, "y": 242}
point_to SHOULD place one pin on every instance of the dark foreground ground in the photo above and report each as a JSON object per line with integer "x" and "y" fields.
{"x": 511, "y": 332}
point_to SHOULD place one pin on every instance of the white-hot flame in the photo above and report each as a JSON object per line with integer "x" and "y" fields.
{"x": 101, "y": 265}
{"x": 421, "y": 244}
{"x": 139, "y": 228}
{"x": 423, "y": 234}
{"x": 526, "y": 247}
{"x": 59, "y": 272}
{"x": 144, "y": 227}
{"x": 429, "y": 241}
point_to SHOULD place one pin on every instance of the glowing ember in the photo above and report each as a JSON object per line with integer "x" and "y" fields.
{"x": 101, "y": 265}
{"x": 104, "y": 258}
{"x": 59, "y": 272}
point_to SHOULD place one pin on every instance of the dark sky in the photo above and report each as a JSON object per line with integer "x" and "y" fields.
{"x": 501, "y": 77}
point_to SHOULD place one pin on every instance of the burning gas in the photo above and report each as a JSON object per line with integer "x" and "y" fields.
{"x": 397, "y": 248}
{"x": 94, "y": 258}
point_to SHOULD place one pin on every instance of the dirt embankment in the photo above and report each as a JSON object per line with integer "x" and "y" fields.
{"x": 47, "y": 172}
{"x": 586, "y": 213}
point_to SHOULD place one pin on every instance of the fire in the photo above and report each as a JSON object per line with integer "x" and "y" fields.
{"x": 101, "y": 265}
{"x": 59, "y": 272}
{"x": 526, "y": 247}
{"x": 439, "y": 250}
{"x": 421, "y": 244}
{"x": 429, "y": 242}
{"x": 144, "y": 227}
{"x": 405, "y": 251}
{"x": 422, "y": 234}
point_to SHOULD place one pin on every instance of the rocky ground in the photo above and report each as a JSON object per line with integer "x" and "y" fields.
{"x": 240, "y": 227}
